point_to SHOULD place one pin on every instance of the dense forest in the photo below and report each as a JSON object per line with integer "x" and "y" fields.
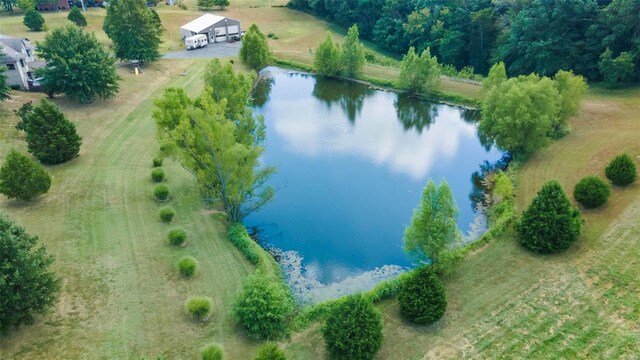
{"x": 599, "y": 39}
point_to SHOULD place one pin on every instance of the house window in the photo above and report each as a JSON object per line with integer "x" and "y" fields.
{"x": 21, "y": 63}
{"x": 11, "y": 66}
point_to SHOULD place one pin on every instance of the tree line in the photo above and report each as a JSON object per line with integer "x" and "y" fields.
{"x": 599, "y": 39}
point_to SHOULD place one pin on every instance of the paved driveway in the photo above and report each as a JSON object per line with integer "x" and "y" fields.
{"x": 215, "y": 50}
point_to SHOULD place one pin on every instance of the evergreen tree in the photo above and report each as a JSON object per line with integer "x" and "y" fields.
{"x": 33, "y": 20}
{"x": 222, "y": 4}
{"x": 23, "y": 113}
{"x": 5, "y": 90}
{"x": 23, "y": 179}
{"x": 423, "y": 297}
{"x": 255, "y": 51}
{"x": 419, "y": 74}
{"x": 27, "y": 286}
{"x": 353, "y": 330}
{"x": 76, "y": 17}
{"x": 134, "y": 31}
{"x": 205, "y": 4}
{"x": 434, "y": 230}
{"x": 352, "y": 58}
{"x": 621, "y": 170}
{"x": 550, "y": 224}
{"x": 327, "y": 58}
{"x": 77, "y": 65}
{"x": 51, "y": 138}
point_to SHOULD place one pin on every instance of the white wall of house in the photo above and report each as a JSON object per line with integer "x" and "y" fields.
{"x": 17, "y": 74}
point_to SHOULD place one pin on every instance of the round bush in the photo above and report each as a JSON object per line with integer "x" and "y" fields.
{"x": 166, "y": 214}
{"x": 353, "y": 329}
{"x": 621, "y": 170}
{"x": 550, "y": 224}
{"x": 177, "y": 236}
{"x": 212, "y": 352}
{"x": 161, "y": 192}
{"x": 270, "y": 351}
{"x": 591, "y": 192}
{"x": 199, "y": 307}
{"x": 422, "y": 298}
{"x": 187, "y": 266}
{"x": 157, "y": 175}
{"x": 157, "y": 162}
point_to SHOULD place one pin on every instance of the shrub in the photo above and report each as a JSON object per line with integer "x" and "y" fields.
{"x": 238, "y": 235}
{"x": 591, "y": 192}
{"x": 157, "y": 162}
{"x": 157, "y": 175}
{"x": 199, "y": 307}
{"x": 423, "y": 298}
{"x": 177, "y": 236}
{"x": 353, "y": 329}
{"x": 621, "y": 170}
{"x": 212, "y": 352}
{"x": 263, "y": 307}
{"x": 33, "y": 20}
{"x": 187, "y": 266}
{"x": 51, "y": 137}
{"x": 270, "y": 351}
{"x": 161, "y": 192}
{"x": 550, "y": 224}
{"x": 166, "y": 214}
{"x": 76, "y": 17}
{"x": 22, "y": 178}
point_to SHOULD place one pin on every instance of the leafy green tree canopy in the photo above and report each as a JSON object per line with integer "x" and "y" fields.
{"x": 419, "y": 74}
{"x": 26, "y": 4}
{"x": 423, "y": 297}
{"x": 77, "y": 65}
{"x": 51, "y": 137}
{"x": 616, "y": 72}
{"x": 76, "y": 17}
{"x": 352, "y": 58}
{"x": 27, "y": 285}
{"x": 550, "y": 224}
{"x": 133, "y": 29}
{"x": 255, "y": 51}
{"x": 327, "y": 58}
{"x": 33, "y": 20}
{"x": 226, "y": 84}
{"x": 571, "y": 89}
{"x": 353, "y": 330}
{"x": 22, "y": 178}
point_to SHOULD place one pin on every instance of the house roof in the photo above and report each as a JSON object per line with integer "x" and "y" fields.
{"x": 202, "y": 22}
{"x": 9, "y": 55}
{"x": 15, "y": 43}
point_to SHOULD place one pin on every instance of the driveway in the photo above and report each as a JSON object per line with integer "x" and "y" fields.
{"x": 214, "y": 50}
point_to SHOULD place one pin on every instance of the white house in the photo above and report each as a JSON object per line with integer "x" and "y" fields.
{"x": 217, "y": 28}
{"x": 17, "y": 55}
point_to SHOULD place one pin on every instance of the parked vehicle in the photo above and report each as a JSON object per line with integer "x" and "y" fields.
{"x": 234, "y": 38}
{"x": 196, "y": 41}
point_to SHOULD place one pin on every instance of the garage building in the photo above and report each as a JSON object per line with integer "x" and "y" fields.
{"x": 217, "y": 28}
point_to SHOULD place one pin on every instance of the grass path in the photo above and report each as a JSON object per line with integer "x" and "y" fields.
{"x": 120, "y": 296}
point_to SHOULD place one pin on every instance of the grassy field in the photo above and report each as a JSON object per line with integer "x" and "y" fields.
{"x": 121, "y": 298}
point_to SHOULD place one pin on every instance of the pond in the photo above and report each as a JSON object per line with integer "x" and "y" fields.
{"x": 352, "y": 162}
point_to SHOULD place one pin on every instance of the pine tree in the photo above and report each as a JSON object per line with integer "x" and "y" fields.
{"x": 423, "y": 297}
{"x": 51, "y": 138}
{"x": 327, "y": 58}
{"x": 133, "y": 30}
{"x": 76, "y": 17}
{"x": 419, "y": 74}
{"x": 33, "y": 20}
{"x": 255, "y": 51}
{"x": 28, "y": 287}
{"x": 22, "y": 178}
{"x": 353, "y": 59}
{"x": 550, "y": 224}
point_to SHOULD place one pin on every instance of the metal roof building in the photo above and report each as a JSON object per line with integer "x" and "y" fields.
{"x": 217, "y": 28}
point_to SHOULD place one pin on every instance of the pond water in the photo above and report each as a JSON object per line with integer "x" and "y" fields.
{"x": 352, "y": 162}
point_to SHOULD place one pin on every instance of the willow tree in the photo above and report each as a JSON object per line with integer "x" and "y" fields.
{"x": 419, "y": 74}
{"x": 222, "y": 153}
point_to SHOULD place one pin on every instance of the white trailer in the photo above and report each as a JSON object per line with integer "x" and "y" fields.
{"x": 196, "y": 41}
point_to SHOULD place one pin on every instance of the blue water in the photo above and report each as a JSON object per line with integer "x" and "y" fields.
{"x": 352, "y": 162}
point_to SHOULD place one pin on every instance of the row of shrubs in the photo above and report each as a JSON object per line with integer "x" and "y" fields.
{"x": 593, "y": 192}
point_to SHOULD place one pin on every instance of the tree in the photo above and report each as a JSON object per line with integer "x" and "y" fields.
{"x": 263, "y": 307}
{"x": 571, "y": 89}
{"x": 134, "y": 31}
{"x": 352, "y": 58}
{"x": 270, "y": 351}
{"x": 8, "y": 5}
{"x": 227, "y": 84}
{"x": 550, "y": 224}
{"x": 51, "y": 138}
{"x": 591, "y": 192}
{"x": 77, "y": 65}
{"x": 618, "y": 71}
{"x": 327, "y": 58}
{"x": 27, "y": 286}
{"x": 156, "y": 20}
{"x": 23, "y": 113}
{"x": 23, "y": 179}
{"x": 519, "y": 114}
{"x": 419, "y": 74}
{"x": 497, "y": 75}
{"x": 205, "y": 4}
{"x": 33, "y": 20}
{"x": 353, "y": 329}
{"x": 5, "y": 90}
{"x": 76, "y": 17}
{"x": 26, "y": 4}
{"x": 255, "y": 51}
{"x": 222, "y": 4}
{"x": 210, "y": 145}
{"x": 621, "y": 170}
{"x": 423, "y": 297}
{"x": 433, "y": 231}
